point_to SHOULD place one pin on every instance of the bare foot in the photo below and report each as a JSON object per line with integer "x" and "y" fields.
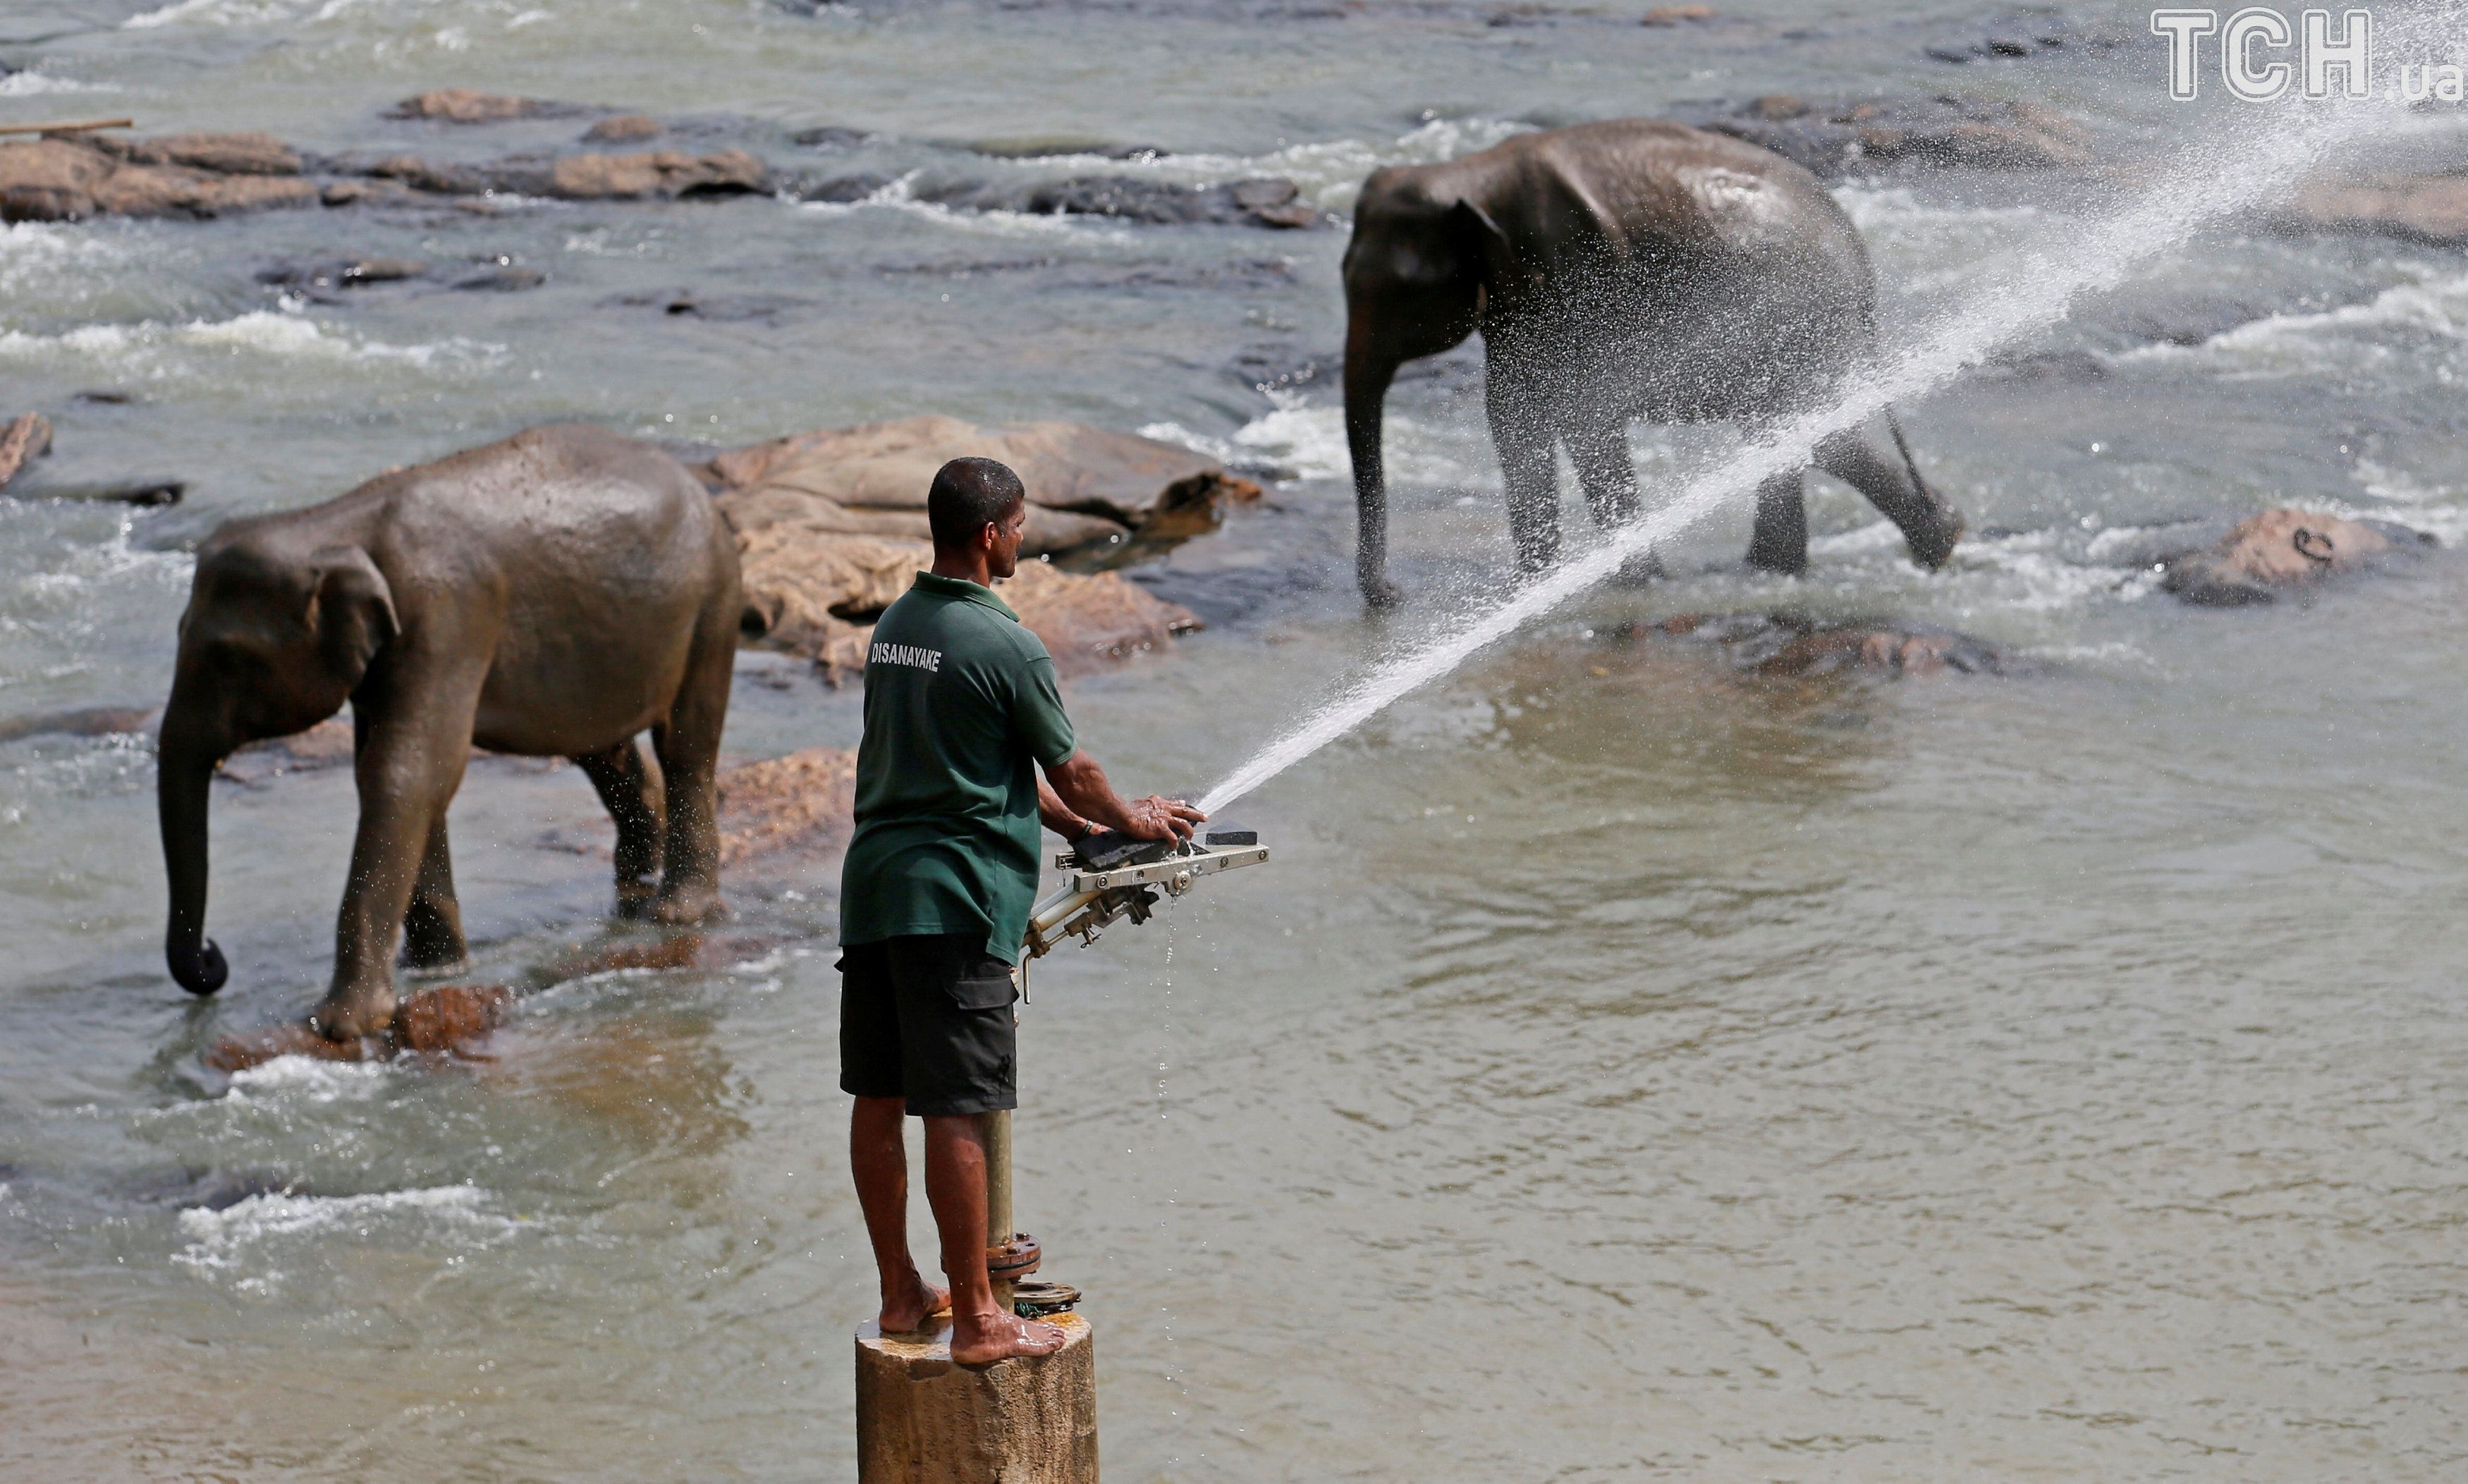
{"x": 985, "y": 1338}
{"x": 906, "y": 1311}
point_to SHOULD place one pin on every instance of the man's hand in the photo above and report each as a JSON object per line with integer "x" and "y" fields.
{"x": 1157, "y": 817}
{"x": 1079, "y": 791}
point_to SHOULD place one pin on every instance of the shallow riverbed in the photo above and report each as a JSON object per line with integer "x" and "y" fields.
{"x": 1627, "y": 1067}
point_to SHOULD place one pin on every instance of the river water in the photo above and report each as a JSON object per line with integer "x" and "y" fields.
{"x": 1627, "y": 1066}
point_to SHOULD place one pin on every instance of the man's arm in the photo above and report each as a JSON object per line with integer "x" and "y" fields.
{"x": 1079, "y": 791}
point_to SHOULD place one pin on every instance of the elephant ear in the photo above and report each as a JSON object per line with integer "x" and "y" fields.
{"x": 1485, "y": 243}
{"x": 351, "y": 610}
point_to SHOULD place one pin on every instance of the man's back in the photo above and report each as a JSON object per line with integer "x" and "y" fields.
{"x": 960, "y": 704}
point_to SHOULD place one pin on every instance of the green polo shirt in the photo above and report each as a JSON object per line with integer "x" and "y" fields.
{"x": 960, "y": 706}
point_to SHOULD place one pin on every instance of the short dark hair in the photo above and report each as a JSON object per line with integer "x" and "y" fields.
{"x": 969, "y": 495}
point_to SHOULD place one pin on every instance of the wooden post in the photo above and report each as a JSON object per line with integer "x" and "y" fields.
{"x": 994, "y": 1130}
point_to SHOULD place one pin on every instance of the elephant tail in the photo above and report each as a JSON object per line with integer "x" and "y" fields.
{"x": 1903, "y": 445}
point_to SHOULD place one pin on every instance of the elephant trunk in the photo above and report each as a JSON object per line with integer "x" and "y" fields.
{"x": 1369, "y": 368}
{"x": 185, "y": 758}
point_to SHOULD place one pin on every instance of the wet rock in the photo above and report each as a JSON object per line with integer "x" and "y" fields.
{"x": 449, "y": 1021}
{"x": 1087, "y": 486}
{"x": 830, "y": 137}
{"x": 104, "y": 397}
{"x": 839, "y": 190}
{"x": 28, "y": 436}
{"x": 248, "y": 154}
{"x": 2279, "y": 550}
{"x": 342, "y": 272}
{"x": 626, "y": 128}
{"x": 464, "y": 105}
{"x": 1832, "y": 139}
{"x": 502, "y": 279}
{"x": 84, "y": 722}
{"x": 1676, "y": 14}
{"x": 2047, "y": 366}
{"x": 171, "y": 191}
{"x": 147, "y": 493}
{"x": 2428, "y": 209}
{"x": 1093, "y": 620}
{"x": 1790, "y": 645}
{"x": 805, "y": 803}
{"x": 2030, "y": 32}
{"x": 51, "y": 180}
{"x": 327, "y": 744}
{"x": 666, "y": 174}
{"x": 1264, "y": 202}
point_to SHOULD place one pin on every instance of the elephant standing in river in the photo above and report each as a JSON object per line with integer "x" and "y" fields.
{"x": 551, "y": 596}
{"x": 1623, "y": 269}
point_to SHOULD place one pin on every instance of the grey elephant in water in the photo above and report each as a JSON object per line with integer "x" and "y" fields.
{"x": 1623, "y": 269}
{"x": 551, "y": 595}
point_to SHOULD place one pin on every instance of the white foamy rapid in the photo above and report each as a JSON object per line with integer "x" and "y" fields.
{"x": 2036, "y": 288}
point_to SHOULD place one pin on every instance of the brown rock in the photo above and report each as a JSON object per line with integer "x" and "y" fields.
{"x": 663, "y": 173}
{"x": 876, "y": 475}
{"x": 1088, "y": 621}
{"x": 2429, "y": 208}
{"x": 174, "y": 190}
{"x": 805, "y": 802}
{"x": 1677, "y": 15}
{"x": 464, "y": 105}
{"x": 28, "y": 437}
{"x": 327, "y": 744}
{"x": 1793, "y": 645}
{"x": 624, "y": 128}
{"x": 2281, "y": 549}
{"x": 50, "y": 180}
{"x": 448, "y": 1021}
{"x": 810, "y": 587}
{"x": 83, "y": 721}
{"x": 231, "y": 155}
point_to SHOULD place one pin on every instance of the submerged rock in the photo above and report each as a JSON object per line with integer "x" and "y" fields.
{"x": 2283, "y": 549}
{"x": 1833, "y": 138}
{"x": 83, "y": 721}
{"x": 1790, "y": 644}
{"x": 467, "y": 105}
{"x": 449, "y": 1021}
{"x": 624, "y": 128}
{"x": 1265, "y": 202}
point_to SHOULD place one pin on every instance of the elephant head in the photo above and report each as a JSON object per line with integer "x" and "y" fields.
{"x": 1416, "y": 274}
{"x": 276, "y": 637}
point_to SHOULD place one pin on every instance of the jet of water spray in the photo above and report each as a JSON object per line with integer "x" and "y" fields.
{"x": 2278, "y": 144}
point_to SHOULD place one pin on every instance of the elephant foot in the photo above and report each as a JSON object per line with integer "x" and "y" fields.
{"x": 1379, "y": 593}
{"x": 637, "y": 899}
{"x": 1642, "y": 570}
{"x": 688, "y": 906}
{"x": 1936, "y": 549}
{"x": 352, "y": 1015}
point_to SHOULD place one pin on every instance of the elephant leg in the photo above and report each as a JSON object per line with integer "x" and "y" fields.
{"x": 688, "y": 743}
{"x": 1928, "y": 524}
{"x": 1780, "y": 541}
{"x": 1608, "y": 474}
{"x": 1524, "y": 439}
{"x": 409, "y": 764}
{"x": 432, "y": 928}
{"x": 631, "y": 790}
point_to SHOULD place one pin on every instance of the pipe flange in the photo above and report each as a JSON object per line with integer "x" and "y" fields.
{"x": 1036, "y": 1298}
{"x": 1017, "y": 1258}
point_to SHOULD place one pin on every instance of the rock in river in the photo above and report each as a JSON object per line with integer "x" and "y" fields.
{"x": 2282, "y": 549}
{"x": 449, "y": 1021}
{"x": 70, "y": 177}
{"x": 832, "y": 528}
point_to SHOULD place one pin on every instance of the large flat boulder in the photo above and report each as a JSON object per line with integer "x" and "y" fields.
{"x": 1836, "y": 137}
{"x": 68, "y": 179}
{"x": 805, "y": 804}
{"x": 2428, "y": 209}
{"x": 2280, "y": 549}
{"x": 1087, "y": 486}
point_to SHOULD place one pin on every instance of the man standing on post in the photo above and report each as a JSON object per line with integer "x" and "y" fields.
{"x": 960, "y": 711}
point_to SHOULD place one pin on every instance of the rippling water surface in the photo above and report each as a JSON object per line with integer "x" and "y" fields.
{"x": 1627, "y": 1067}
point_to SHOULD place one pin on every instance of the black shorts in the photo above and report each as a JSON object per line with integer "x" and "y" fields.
{"x": 928, "y": 1019}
